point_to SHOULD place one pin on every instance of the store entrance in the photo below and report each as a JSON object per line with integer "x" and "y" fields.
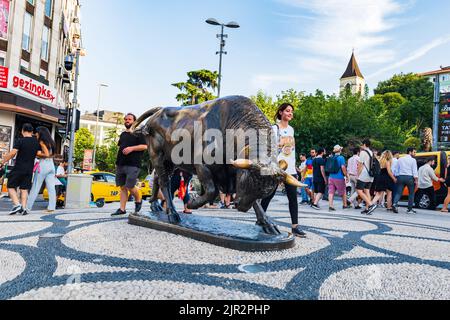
{"x": 21, "y": 120}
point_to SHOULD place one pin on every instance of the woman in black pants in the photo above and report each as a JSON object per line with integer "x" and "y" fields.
{"x": 285, "y": 137}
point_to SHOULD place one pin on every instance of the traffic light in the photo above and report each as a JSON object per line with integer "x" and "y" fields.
{"x": 66, "y": 122}
{"x": 65, "y": 116}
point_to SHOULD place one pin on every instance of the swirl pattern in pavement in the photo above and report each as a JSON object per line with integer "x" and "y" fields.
{"x": 88, "y": 255}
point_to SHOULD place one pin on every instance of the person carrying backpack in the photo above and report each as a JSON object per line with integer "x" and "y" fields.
{"x": 366, "y": 174}
{"x": 338, "y": 177}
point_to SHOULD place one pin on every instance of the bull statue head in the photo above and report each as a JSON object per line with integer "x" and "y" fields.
{"x": 280, "y": 172}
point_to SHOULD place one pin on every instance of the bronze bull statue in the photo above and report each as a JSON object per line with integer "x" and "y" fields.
{"x": 249, "y": 178}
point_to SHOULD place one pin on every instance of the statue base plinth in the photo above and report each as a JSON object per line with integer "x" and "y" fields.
{"x": 222, "y": 232}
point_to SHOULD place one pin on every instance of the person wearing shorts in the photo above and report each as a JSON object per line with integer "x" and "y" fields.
{"x": 129, "y": 158}
{"x": 337, "y": 182}
{"x": 365, "y": 181}
{"x": 26, "y": 150}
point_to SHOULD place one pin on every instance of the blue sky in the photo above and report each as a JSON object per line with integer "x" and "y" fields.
{"x": 139, "y": 48}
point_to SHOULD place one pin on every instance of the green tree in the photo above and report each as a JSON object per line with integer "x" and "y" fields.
{"x": 84, "y": 140}
{"x": 266, "y": 104}
{"x": 196, "y": 89}
{"x": 418, "y": 91}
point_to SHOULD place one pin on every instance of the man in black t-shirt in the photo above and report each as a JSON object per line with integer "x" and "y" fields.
{"x": 129, "y": 158}
{"x": 21, "y": 176}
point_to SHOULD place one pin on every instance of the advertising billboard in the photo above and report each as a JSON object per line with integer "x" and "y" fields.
{"x": 4, "y": 17}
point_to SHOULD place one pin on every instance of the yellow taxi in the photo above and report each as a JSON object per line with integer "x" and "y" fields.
{"x": 104, "y": 189}
{"x": 146, "y": 189}
{"x": 422, "y": 200}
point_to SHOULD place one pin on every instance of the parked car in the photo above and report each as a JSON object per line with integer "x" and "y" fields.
{"x": 422, "y": 200}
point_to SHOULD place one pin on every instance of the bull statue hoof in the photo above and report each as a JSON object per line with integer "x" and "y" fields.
{"x": 174, "y": 218}
{"x": 269, "y": 228}
{"x": 156, "y": 207}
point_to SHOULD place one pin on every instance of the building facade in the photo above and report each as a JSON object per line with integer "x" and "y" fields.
{"x": 444, "y": 78}
{"x": 107, "y": 121}
{"x": 36, "y": 37}
{"x": 353, "y": 79}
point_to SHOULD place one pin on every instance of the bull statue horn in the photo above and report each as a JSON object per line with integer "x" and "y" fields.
{"x": 283, "y": 165}
{"x": 290, "y": 180}
{"x": 245, "y": 153}
{"x": 242, "y": 164}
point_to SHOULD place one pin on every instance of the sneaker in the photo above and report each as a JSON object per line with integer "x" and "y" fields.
{"x": 298, "y": 233}
{"x": 25, "y": 212}
{"x": 347, "y": 208}
{"x": 365, "y": 212}
{"x": 138, "y": 207}
{"x": 119, "y": 213}
{"x": 412, "y": 211}
{"x": 332, "y": 209}
{"x": 315, "y": 207}
{"x": 358, "y": 207}
{"x": 16, "y": 210}
{"x": 372, "y": 209}
{"x": 395, "y": 210}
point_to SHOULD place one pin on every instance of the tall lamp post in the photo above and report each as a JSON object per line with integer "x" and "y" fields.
{"x": 222, "y": 37}
{"x": 100, "y": 86}
{"x": 74, "y": 111}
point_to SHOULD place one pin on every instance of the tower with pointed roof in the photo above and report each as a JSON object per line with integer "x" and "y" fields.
{"x": 353, "y": 78}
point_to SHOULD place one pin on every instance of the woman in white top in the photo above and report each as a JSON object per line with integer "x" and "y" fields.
{"x": 285, "y": 137}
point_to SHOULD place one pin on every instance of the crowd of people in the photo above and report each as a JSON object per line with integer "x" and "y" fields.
{"x": 377, "y": 180}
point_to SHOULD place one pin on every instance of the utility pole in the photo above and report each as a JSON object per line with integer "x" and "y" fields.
{"x": 74, "y": 113}
{"x": 222, "y": 37}
{"x": 94, "y": 162}
{"x": 436, "y": 113}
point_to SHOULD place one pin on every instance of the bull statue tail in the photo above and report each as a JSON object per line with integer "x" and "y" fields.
{"x": 145, "y": 116}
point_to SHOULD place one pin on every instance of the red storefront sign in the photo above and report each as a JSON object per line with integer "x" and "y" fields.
{"x": 36, "y": 89}
{"x": 24, "y": 86}
{"x": 4, "y": 77}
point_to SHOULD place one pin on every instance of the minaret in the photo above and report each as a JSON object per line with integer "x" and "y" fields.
{"x": 353, "y": 78}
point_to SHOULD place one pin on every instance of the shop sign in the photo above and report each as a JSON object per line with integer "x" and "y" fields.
{"x": 88, "y": 160}
{"x": 27, "y": 87}
{"x": 3, "y": 77}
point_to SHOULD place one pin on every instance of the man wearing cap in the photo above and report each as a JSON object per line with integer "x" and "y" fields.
{"x": 338, "y": 181}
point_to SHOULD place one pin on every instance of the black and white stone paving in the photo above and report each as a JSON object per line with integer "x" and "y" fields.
{"x": 89, "y": 255}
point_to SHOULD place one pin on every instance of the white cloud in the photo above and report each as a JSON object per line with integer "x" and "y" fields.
{"x": 419, "y": 53}
{"x": 341, "y": 25}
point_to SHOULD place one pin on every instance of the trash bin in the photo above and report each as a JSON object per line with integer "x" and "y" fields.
{"x": 78, "y": 195}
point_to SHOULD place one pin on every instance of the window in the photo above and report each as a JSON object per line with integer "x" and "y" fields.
{"x": 2, "y": 61}
{"x": 48, "y": 8}
{"x": 45, "y": 41}
{"x": 110, "y": 178}
{"x": 26, "y": 37}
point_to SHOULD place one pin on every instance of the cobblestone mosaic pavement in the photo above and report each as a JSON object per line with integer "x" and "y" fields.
{"x": 89, "y": 255}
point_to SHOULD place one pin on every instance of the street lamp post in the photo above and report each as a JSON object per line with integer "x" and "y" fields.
{"x": 74, "y": 113}
{"x": 94, "y": 163}
{"x": 221, "y": 52}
